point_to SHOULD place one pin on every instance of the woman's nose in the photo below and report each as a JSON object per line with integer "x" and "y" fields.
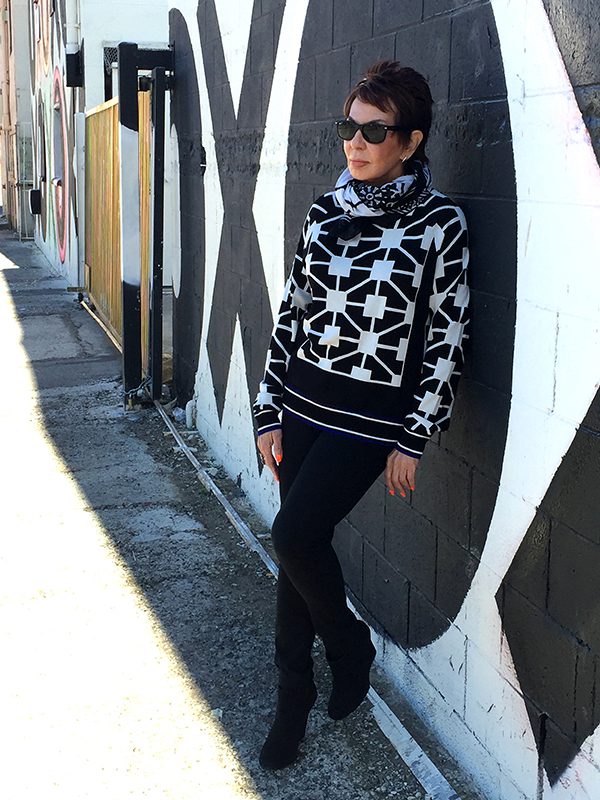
{"x": 358, "y": 141}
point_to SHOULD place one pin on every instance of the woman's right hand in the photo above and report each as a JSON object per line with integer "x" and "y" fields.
{"x": 271, "y": 450}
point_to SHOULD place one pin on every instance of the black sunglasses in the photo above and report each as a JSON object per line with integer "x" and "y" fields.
{"x": 372, "y": 132}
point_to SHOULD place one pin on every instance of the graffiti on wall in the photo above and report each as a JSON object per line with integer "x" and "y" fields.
{"x": 490, "y": 571}
{"x": 53, "y": 132}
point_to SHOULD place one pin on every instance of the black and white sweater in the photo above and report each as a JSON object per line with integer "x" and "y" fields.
{"x": 369, "y": 337}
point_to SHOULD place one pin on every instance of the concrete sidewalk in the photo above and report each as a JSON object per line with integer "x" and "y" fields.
{"x": 136, "y": 626}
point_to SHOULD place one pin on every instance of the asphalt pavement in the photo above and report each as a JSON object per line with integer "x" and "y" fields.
{"x": 136, "y": 626}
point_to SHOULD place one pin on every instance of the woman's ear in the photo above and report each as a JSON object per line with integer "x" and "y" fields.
{"x": 416, "y": 137}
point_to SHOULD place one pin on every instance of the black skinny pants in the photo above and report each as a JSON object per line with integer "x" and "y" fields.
{"x": 322, "y": 477}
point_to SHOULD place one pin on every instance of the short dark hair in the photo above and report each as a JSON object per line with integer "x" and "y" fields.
{"x": 389, "y": 86}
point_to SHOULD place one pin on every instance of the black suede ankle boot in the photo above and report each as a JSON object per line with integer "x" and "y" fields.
{"x": 287, "y": 731}
{"x": 350, "y": 675}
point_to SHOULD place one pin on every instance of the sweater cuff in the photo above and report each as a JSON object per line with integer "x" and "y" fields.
{"x": 267, "y": 428}
{"x": 267, "y": 419}
{"x": 411, "y": 444}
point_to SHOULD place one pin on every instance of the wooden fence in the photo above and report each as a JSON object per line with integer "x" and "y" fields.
{"x": 102, "y": 215}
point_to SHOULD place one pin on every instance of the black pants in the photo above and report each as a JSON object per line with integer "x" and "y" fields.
{"x": 322, "y": 477}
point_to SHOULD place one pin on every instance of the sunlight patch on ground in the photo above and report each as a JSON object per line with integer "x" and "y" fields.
{"x": 7, "y": 263}
{"x": 95, "y": 701}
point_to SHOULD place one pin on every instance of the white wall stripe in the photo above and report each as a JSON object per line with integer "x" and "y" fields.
{"x": 234, "y": 26}
{"x": 269, "y": 197}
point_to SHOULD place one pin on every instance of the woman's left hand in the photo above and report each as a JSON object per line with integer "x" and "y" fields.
{"x": 400, "y": 472}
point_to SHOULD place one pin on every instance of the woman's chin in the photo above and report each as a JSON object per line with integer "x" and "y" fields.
{"x": 359, "y": 172}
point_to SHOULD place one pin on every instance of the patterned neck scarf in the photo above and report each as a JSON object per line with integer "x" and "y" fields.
{"x": 362, "y": 201}
{"x": 358, "y": 198}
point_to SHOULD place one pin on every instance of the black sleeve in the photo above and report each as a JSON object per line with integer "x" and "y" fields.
{"x": 446, "y": 333}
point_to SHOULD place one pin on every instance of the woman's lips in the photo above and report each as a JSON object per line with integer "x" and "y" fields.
{"x": 356, "y": 163}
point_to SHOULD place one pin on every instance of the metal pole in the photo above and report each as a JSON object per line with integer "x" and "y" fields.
{"x": 130, "y": 219}
{"x": 156, "y": 275}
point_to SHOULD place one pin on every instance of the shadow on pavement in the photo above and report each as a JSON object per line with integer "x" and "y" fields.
{"x": 212, "y": 597}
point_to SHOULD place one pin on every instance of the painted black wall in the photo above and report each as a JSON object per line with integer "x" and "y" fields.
{"x": 411, "y": 562}
{"x": 185, "y": 116}
{"x": 550, "y": 603}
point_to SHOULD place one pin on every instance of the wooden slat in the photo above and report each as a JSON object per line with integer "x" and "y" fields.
{"x": 102, "y": 214}
{"x": 102, "y": 106}
{"x": 102, "y": 235}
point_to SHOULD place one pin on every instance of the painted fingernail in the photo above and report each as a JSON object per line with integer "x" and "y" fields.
{"x": 392, "y": 492}
{"x": 278, "y": 458}
{"x": 412, "y": 488}
{"x": 403, "y": 494}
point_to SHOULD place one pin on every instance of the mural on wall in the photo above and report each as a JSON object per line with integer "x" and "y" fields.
{"x": 548, "y": 598}
{"x": 186, "y": 244}
{"x": 53, "y": 135}
{"x": 427, "y": 576}
{"x": 60, "y": 177}
{"x": 240, "y": 287}
{"x": 550, "y": 605}
{"x": 40, "y": 163}
{"x": 486, "y": 579}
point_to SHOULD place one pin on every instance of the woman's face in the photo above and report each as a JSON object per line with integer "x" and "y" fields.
{"x": 375, "y": 163}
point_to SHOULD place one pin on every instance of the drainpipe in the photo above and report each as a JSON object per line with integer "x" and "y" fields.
{"x": 72, "y": 25}
{"x": 4, "y": 105}
{"x": 74, "y": 58}
{"x": 75, "y": 78}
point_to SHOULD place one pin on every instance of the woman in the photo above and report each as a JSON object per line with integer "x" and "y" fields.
{"x": 361, "y": 371}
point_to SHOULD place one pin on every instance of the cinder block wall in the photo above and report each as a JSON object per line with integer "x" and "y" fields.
{"x": 483, "y": 585}
{"x": 412, "y": 563}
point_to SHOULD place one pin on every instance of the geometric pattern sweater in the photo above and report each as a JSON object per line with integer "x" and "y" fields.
{"x": 370, "y": 334}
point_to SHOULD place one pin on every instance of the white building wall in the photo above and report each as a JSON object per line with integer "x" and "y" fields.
{"x": 53, "y": 106}
{"x": 105, "y": 23}
{"x": 16, "y": 117}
